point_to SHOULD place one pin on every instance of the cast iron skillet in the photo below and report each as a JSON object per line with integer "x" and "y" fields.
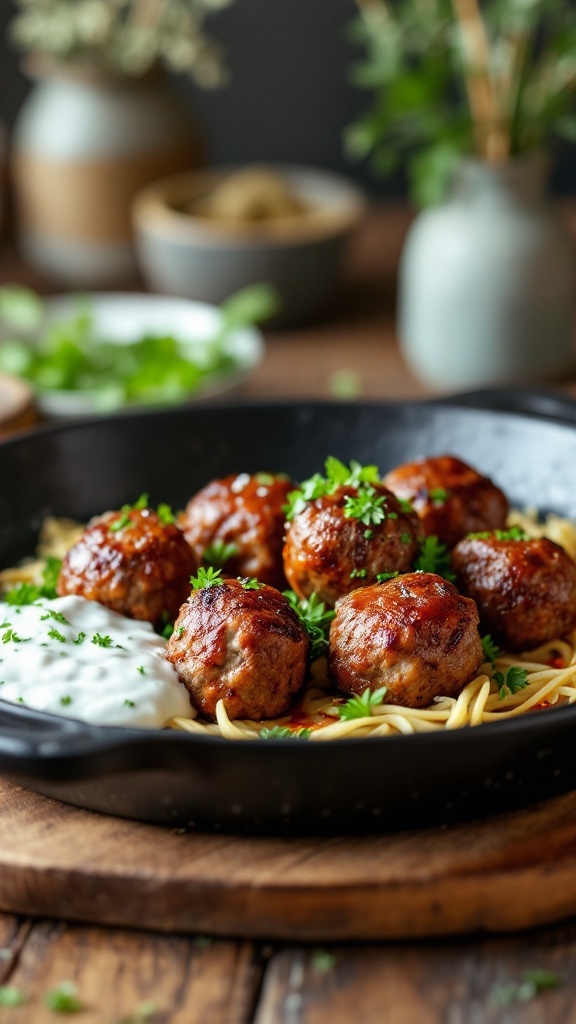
{"x": 280, "y": 785}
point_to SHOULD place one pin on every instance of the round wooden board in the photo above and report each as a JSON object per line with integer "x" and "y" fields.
{"x": 510, "y": 872}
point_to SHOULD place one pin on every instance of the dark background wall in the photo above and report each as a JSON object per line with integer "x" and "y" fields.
{"x": 289, "y": 98}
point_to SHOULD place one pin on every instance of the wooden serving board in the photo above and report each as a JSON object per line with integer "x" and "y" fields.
{"x": 511, "y": 872}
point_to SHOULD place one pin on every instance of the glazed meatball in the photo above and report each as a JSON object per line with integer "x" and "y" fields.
{"x": 415, "y": 634}
{"x": 329, "y": 551}
{"x": 133, "y": 562}
{"x": 246, "y": 512}
{"x": 525, "y": 589}
{"x": 450, "y": 497}
{"x": 246, "y": 647}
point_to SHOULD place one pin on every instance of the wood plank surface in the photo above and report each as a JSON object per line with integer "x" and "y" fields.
{"x": 117, "y": 972}
{"x": 60, "y": 860}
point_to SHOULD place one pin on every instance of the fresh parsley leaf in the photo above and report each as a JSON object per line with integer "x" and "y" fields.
{"x": 168, "y": 630}
{"x": 281, "y": 732}
{"x": 250, "y": 583}
{"x": 64, "y": 999}
{"x": 12, "y": 996}
{"x": 124, "y": 519}
{"x": 337, "y": 475}
{"x": 29, "y": 593}
{"x": 322, "y": 961}
{"x": 65, "y": 701}
{"x": 514, "y": 533}
{"x": 207, "y": 577}
{"x": 358, "y": 574}
{"x": 101, "y": 641}
{"x": 51, "y": 614}
{"x": 80, "y": 638}
{"x": 533, "y": 982}
{"x": 55, "y": 635}
{"x": 129, "y": 703}
{"x": 165, "y": 514}
{"x": 368, "y": 534}
{"x": 405, "y": 506}
{"x": 361, "y": 706}
{"x": 434, "y": 557}
{"x": 140, "y": 669}
{"x": 11, "y": 635}
{"x": 515, "y": 679}
{"x": 491, "y": 650}
{"x": 383, "y": 576}
{"x": 366, "y": 506}
{"x": 218, "y": 553}
{"x": 438, "y": 495}
{"x": 316, "y": 617}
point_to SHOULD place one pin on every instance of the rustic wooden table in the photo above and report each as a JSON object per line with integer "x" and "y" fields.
{"x": 132, "y": 976}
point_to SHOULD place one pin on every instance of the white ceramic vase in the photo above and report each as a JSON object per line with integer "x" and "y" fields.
{"x": 488, "y": 282}
{"x": 84, "y": 143}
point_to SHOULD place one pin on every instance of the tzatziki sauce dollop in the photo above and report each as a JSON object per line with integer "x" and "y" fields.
{"x": 74, "y": 657}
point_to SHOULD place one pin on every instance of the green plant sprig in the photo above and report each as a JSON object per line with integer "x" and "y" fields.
{"x": 338, "y": 474}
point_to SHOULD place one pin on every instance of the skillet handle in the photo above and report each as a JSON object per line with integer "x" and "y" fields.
{"x": 542, "y": 402}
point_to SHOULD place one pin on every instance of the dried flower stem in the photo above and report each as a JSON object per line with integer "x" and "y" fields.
{"x": 491, "y": 133}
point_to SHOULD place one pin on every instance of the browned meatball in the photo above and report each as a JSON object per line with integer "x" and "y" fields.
{"x": 415, "y": 634}
{"x": 525, "y": 589}
{"x": 132, "y": 562}
{"x": 450, "y": 497}
{"x": 330, "y": 552}
{"x": 246, "y": 512}
{"x": 246, "y": 647}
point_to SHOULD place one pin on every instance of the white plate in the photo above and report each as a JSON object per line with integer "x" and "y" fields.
{"x": 124, "y": 318}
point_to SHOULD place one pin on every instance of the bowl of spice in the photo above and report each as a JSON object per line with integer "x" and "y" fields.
{"x": 207, "y": 233}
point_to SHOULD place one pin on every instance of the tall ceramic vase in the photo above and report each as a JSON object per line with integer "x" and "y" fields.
{"x": 488, "y": 282}
{"x": 85, "y": 142}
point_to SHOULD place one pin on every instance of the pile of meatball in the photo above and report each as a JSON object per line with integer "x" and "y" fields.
{"x": 237, "y": 638}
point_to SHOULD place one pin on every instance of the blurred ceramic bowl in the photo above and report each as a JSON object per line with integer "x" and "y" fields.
{"x": 123, "y": 318}
{"x": 191, "y": 255}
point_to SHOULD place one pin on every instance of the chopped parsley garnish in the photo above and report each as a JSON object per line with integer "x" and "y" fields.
{"x": 29, "y": 593}
{"x": 358, "y": 574}
{"x": 218, "y": 553}
{"x": 491, "y": 650}
{"x": 514, "y": 533}
{"x": 208, "y": 577}
{"x": 367, "y": 506}
{"x": 129, "y": 703}
{"x": 140, "y": 669}
{"x": 405, "y": 538}
{"x": 12, "y": 996}
{"x": 434, "y": 557}
{"x": 101, "y": 641}
{"x": 167, "y": 631}
{"x": 322, "y": 961}
{"x": 316, "y": 617}
{"x": 406, "y": 506}
{"x": 438, "y": 495}
{"x": 533, "y": 981}
{"x": 514, "y": 680}
{"x": 250, "y": 583}
{"x": 80, "y": 638}
{"x": 51, "y": 614}
{"x": 281, "y": 732}
{"x": 337, "y": 475}
{"x": 165, "y": 514}
{"x": 65, "y": 701}
{"x": 361, "y": 707}
{"x": 64, "y": 999}
{"x": 55, "y": 635}
{"x": 383, "y": 576}
{"x": 368, "y": 534}
{"x": 11, "y": 635}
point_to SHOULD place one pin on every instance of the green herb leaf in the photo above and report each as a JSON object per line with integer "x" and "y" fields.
{"x": 11, "y": 635}
{"x": 51, "y": 614}
{"x": 439, "y": 495}
{"x": 514, "y": 680}
{"x": 358, "y": 574}
{"x": 316, "y": 617}
{"x": 207, "y": 577}
{"x": 66, "y": 701}
{"x": 361, "y": 706}
{"x": 55, "y": 635}
{"x": 514, "y": 533}
{"x": 165, "y": 514}
{"x": 281, "y": 732}
{"x": 102, "y": 641}
{"x": 129, "y": 703}
{"x": 29, "y": 593}
{"x": 322, "y": 961}
{"x": 383, "y": 576}
{"x": 64, "y": 998}
{"x": 338, "y": 474}
{"x": 532, "y": 983}
{"x": 250, "y": 583}
{"x": 218, "y": 553}
{"x": 490, "y": 649}
{"x": 12, "y": 996}
{"x": 435, "y": 558}
{"x": 80, "y": 638}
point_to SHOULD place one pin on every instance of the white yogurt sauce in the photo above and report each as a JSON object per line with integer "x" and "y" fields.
{"x": 76, "y": 658}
